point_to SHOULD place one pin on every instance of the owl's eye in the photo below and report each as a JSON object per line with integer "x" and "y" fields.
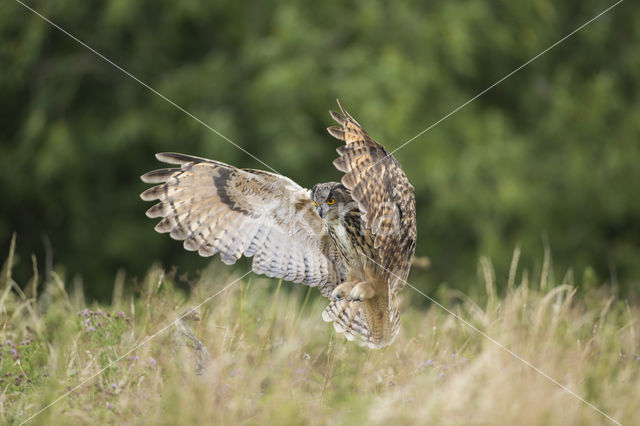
{"x": 331, "y": 201}
{"x": 315, "y": 204}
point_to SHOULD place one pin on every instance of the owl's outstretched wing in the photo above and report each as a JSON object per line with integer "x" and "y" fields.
{"x": 383, "y": 193}
{"x": 217, "y": 208}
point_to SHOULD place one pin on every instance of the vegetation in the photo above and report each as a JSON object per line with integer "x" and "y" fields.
{"x": 269, "y": 359}
{"x": 545, "y": 162}
{"x": 546, "y": 158}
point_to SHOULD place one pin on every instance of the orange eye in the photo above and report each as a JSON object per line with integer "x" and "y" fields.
{"x": 315, "y": 204}
{"x": 331, "y": 201}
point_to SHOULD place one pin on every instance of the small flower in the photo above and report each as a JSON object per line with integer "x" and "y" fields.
{"x": 99, "y": 324}
{"x": 134, "y": 358}
{"x": 87, "y": 322}
{"x": 113, "y": 386}
{"x": 92, "y": 328}
{"x": 109, "y": 406}
{"x": 14, "y": 352}
{"x": 152, "y": 360}
{"x": 9, "y": 342}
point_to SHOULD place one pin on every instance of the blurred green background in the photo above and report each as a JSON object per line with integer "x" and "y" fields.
{"x": 547, "y": 158}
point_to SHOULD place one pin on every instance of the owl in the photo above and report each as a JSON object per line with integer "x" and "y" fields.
{"x": 354, "y": 239}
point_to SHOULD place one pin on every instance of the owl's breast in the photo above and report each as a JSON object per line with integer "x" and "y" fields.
{"x": 353, "y": 241}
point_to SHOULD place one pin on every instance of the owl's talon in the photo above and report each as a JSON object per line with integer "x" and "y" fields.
{"x": 342, "y": 291}
{"x": 362, "y": 291}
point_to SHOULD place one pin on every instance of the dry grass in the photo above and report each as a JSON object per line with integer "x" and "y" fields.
{"x": 273, "y": 361}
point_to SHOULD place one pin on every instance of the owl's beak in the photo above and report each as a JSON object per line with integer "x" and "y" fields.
{"x": 322, "y": 210}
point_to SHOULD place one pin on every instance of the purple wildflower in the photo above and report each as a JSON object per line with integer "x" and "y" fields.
{"x": 152, "y": 360}
{"x": 427, "y": 363}
{"x": 92, "y": 328}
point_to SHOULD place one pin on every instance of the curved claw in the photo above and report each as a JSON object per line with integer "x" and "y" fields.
{"x": 362, "y": 291}
{"x": 342, "y": 291}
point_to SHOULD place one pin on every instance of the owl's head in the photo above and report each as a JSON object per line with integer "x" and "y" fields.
{"x": 331, "y": 200}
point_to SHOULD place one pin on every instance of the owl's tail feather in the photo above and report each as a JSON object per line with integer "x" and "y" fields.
{"x": 357, "y": 320}
{"x": 348, "y": 318}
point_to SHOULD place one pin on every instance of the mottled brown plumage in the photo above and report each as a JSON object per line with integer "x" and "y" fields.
{"x": 353, "y": 240}
{"x": 383, "y": 193}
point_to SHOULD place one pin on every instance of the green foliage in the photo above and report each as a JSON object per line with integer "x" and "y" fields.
{"x": 549, "y": 154}
{"x": 22, "y": 365}
{"x": 102, "y": 329}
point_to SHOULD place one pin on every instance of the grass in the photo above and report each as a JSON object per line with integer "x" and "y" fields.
{"x": 269, "y": 359}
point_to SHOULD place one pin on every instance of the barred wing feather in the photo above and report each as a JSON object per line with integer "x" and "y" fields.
{"x": 217, "y": 208}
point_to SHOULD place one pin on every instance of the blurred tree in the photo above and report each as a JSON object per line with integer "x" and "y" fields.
{"x": 549, "y": 153}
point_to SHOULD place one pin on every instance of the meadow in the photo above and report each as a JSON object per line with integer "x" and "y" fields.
{"x": 258, "y": 353}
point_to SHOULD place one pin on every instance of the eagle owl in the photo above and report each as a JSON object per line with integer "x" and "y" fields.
{"x": 354, "y": 240}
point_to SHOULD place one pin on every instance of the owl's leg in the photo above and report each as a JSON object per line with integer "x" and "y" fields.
{"x": 363, "y": 290}
{"x": 342, "y": 291}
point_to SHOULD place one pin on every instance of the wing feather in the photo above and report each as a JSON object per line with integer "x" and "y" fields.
{"x": 383, "y": 193}
{"x": 217, "y": 208}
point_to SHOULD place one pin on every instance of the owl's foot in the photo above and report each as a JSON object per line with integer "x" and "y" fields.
{"x": 343, "y": 290}
{"x": 362, "y": 291}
